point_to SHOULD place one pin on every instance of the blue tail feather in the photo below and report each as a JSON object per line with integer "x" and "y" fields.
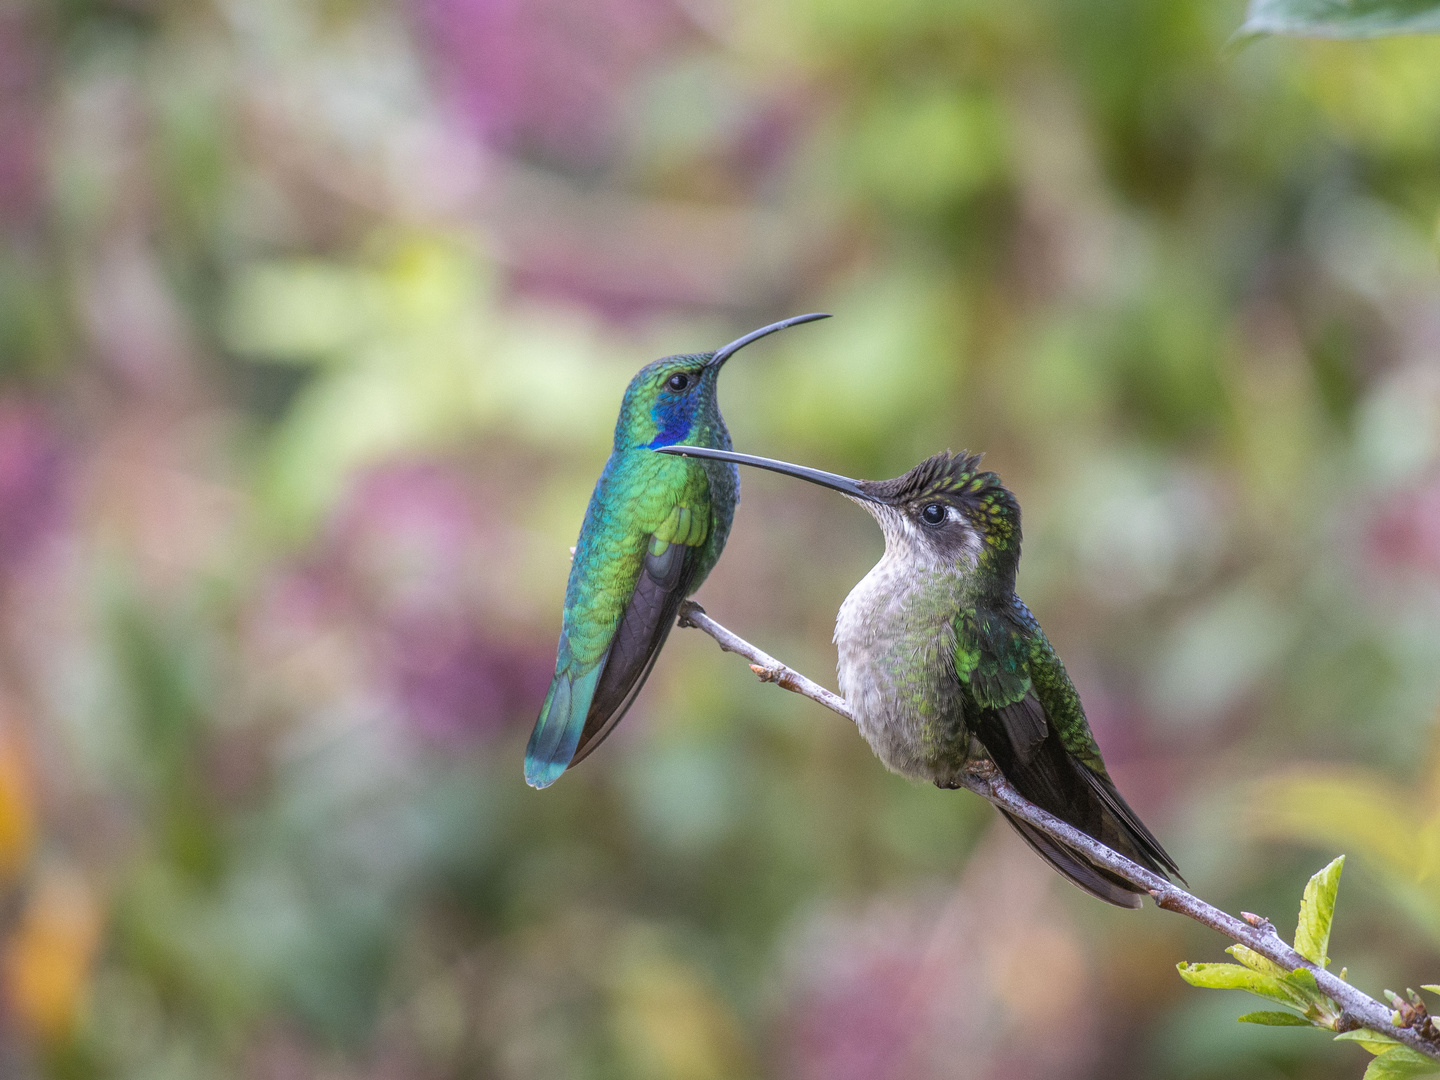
{"x": 557, "y": 731}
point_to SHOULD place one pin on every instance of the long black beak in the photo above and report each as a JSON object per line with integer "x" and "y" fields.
{"x": 842, "y": 484}
{"x": 723, "y": 354}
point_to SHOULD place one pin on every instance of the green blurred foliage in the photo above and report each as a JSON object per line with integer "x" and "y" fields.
{"x": 1397, "y": 831}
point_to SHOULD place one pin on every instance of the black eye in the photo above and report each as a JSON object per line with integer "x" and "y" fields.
{"x": 933, "y": 514}
{"x": 678, "y": 383}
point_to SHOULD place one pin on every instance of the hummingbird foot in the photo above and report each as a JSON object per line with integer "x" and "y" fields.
{"x": 982, "y": 768}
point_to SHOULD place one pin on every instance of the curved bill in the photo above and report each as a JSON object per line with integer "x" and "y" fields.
{"x": 842, "y": 484}
{"x": 724, "y": 353}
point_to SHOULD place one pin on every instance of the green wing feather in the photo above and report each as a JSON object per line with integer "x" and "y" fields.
{"x": 1022, "y": 706}
{"x": 1061, "y": 702}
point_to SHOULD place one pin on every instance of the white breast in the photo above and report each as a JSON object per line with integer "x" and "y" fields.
{"x": 885, "y": 657}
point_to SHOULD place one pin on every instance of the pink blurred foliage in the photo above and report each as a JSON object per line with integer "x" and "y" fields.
{"x": 136, "y": 325}
{"x": 544, "y": 76}
{"x": 1405, "y": 533}
{"x": 1147, "y": 758}
{"x": 397, "y": 565}
{"x": 854, "y": 1025}
{"x": 545, "y": 84}
{"x": 31, "y": 481}
{"x": 20, "y": 120}
{"x": 1120, "y": 723}
{"x": 403, "y": 535}
{"x": 765, "y": 142}
{"x": 456, "y": 681}
{"x": 924, "y": 988}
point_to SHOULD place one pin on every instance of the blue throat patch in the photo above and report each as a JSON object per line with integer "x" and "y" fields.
{"x": 675, "y": 424}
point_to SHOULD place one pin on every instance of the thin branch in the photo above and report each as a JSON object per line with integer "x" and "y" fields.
{"x": 762, "y": 663}
{"x": 1358, "y": 1009}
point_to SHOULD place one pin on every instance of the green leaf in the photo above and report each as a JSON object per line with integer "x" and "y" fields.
{"x": 1273, "y": 1019}
{"x": 1235, "y": 977}
{"x": 1255, "y": 962}
{"x": 1341, "y": 18}
{"x": 1317, "y": 910}
{"x": 1401, "y": 1063}
{"x": 1370, "y": 1040}
{"x": 1434, "y": 988}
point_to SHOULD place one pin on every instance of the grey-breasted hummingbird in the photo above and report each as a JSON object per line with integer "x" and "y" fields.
{"x": 942, "y": 662}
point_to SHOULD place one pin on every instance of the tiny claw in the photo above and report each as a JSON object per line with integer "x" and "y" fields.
{"x": 982, "y": 769}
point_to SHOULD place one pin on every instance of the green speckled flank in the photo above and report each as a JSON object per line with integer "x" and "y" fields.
{"x": 1060, "y": 698}
{"x": 1002, "y": 656}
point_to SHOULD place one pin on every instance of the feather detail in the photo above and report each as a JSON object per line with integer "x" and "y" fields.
{"x": 1021, "y": 705}
{"x": 646, "y": 623}
{"x": 562, "y": 719}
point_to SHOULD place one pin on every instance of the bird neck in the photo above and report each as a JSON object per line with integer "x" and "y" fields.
{"x": 693, "y": 420}
{"x": 996, "y": 516}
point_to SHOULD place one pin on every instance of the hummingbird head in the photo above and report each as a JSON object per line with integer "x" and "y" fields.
{"x": 672, "y": 400}
{"x": 945, "y": 512}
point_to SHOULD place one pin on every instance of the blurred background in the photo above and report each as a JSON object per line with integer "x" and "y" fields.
{"x": 314, "y": 321}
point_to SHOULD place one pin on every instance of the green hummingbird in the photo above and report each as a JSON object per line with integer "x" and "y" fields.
{"x": 653, "y": 530}
{"x": 942, "y": 662}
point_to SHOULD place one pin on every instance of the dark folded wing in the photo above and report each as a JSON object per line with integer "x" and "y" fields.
{"x": 1053, "y": 780}
{"x": 648, "y": 619}
{"x": 1035, "y": 749}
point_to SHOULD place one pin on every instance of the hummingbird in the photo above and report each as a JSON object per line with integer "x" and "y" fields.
{"x": 942, "y": 663}
{"x": 654, "y": 529}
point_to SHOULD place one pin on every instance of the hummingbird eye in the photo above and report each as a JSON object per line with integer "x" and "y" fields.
{"x": 678, "y": 383}
{"x": 933, "y": 514}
